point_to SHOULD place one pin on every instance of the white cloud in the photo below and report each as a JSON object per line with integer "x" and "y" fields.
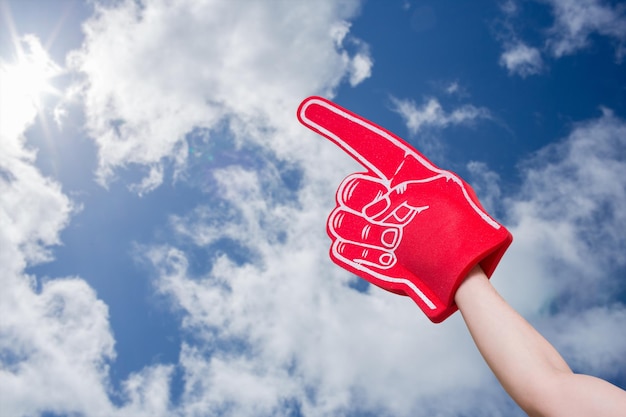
{"x": 453, "y": 88}
{"x": 521, "y": 59}
{"x": 145, "y": 393}
{"x": 517, "y": 57}
{"x": 233, "y": 386}
{"x": 32, "y": 209}
{"x": 577, "y": 20}
{"x": 246, "y": 65}
{"x": 286, "y": 325}
{"x": 151, "y": 181}
{"x": 432, "y": 115}
{"x": 303, "y": 334}
{"x": 575, "y": 24}
{"x": 55, "y": 339}
{"x": 486, "y": 184}
{"x": 360, "y": 68}
{"x": 58, "y": 341}
{"x": 426, "y": 120}
{"x": 509, "y": 7}
{"x": 567, "y": 263}
{"x": 593, "y": 340}
{"x": 581, "y": 179}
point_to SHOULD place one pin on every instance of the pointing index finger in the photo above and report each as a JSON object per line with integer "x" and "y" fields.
{"x": 378, "y": 150}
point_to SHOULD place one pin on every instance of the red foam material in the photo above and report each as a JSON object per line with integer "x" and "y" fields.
{"x": 404, "y": 224}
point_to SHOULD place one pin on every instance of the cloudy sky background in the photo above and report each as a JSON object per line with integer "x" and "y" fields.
{"x": 162, "y": 213}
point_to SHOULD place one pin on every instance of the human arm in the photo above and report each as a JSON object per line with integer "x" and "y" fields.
{"x": 526, "y": 364}
{"x": 412, "y": 228}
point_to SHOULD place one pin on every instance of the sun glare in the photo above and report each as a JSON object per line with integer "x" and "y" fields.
{"x": 23, "y": 84}
{"x": 28, "y": 78}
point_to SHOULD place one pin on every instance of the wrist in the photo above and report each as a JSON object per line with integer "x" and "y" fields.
{"x": 474, "y": 280}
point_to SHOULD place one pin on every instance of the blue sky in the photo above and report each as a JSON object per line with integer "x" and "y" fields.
{"x": 162, "y": 213}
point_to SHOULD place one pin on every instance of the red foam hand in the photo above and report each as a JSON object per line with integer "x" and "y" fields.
{"x": 405, "y": 225}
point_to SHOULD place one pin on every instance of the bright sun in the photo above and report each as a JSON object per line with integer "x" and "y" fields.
{"x": 24, "y": 82}
{"x": 27, "y": 79}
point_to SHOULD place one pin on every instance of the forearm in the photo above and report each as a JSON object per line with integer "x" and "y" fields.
{"x": 522, "y": 360}
{"x": 526, "y": 364}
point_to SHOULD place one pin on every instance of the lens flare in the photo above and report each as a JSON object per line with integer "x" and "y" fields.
{"x": 23, "y": 84}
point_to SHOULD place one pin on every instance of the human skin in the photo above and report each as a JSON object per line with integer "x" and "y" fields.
{"x": 526, "y": 364}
